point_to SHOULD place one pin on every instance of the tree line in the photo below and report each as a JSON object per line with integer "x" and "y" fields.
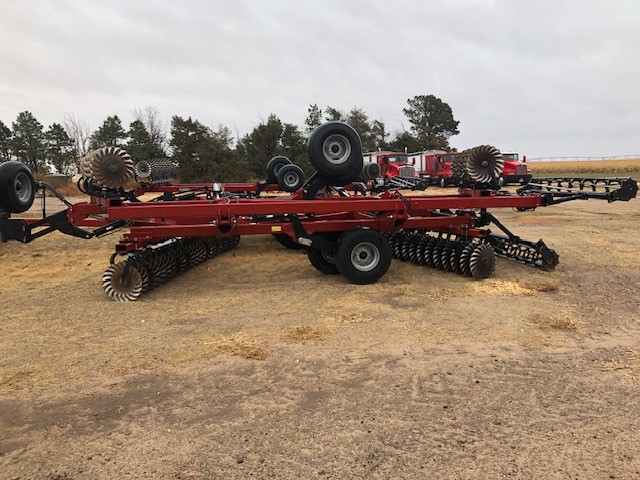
{"x": 202, "y": 153}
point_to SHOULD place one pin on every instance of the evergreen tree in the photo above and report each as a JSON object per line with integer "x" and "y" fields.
{"x": 358, "y": 119}
{"x": 28, "y": 141}
{"x": 259, "y": 146}
{"x": 405, "y": 141}
{"x": 269, "y": 139}
{"x": 333, "y": 115}
{"x": 380, "y": 135}
{"x": 140, "y": 145}
{"x": 432, "y": 121}
{"x": 109, "y": 134}
{"x": 313, "y": 120}
{"x": 60, "y": 149}
{"x": 201, "y": 154}
{"x": 5, "y": 142}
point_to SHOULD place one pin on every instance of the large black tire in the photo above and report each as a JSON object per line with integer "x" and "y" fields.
{"x": 335, "y": 150}
{"x": 364, "y": 256}
{"x": 287, "y": 242}
{"x": 290, "y": 178}
{"x": 273, "y": 167}
{"x": 17, "y": 187}
{"x": 323, "y": 261}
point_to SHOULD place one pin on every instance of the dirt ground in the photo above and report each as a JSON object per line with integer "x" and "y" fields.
{"x": 256, "y": 365}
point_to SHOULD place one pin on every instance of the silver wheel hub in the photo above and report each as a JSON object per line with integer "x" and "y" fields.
{"x": 290, "y": 179}
{"x": 336, "y": 149}
{"x": 22, "y": 187}
{"x": 365, "y": 256}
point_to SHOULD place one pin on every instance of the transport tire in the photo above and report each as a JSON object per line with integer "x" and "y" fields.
{"x": 287, "y": 242}
{"x": 363, "y": 256}
{"x": 323, "y": 261}
{"x": 273, "y": 167}
{"x": 290, "y": 178}
{"x": 501, "y": 181}
{"x": 17, "y": 187}
{"x": 346, "y": 179}
{"x": 335, "y": 150}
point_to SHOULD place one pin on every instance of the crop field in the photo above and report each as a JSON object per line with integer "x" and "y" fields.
{"x": 254, "y": 364}
{"x": 597, "y": 168}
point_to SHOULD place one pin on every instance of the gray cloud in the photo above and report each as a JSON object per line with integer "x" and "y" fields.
{"x": 546, "y": 77}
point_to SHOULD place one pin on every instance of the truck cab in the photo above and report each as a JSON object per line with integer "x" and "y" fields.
{"x": 435, "y": 164}
{"x": 515, "y": 170}
{"x": 392, "y": 164}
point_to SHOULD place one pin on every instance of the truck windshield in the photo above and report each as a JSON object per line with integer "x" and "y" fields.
{"x": 398, "y": 159}
{"x": 447, "y": 158}
{"x": 510, "y": 156}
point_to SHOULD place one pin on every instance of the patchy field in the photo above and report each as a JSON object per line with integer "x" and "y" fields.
{"x": 255, "y": 364}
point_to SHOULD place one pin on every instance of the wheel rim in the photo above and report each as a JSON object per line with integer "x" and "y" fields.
{"x": 23, "y": 188}
{"x": 365, "y": 256}
{"x": 277, "y": 167}
{"x": 290, "y": 179}
{"x": 329, "y": 257}
{"x": 337, "y": 149}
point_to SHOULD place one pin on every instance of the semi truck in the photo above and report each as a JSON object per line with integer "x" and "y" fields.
{"x": 436, "y": 166}
{"x": 515, "y": 170}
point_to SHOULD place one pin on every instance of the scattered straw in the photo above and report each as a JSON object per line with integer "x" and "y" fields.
{"x": 613, "y": 365}
{"x": 305, "y": 332}
{"x": 241, "y": 345}
{"x": 442, "y": 295}
{"x": 561, "y": 321}
{"x": 352, "y": 318}
{"x": 502, "y": 287}
{"x": 634, "y": 354}
{"x": 543, "y": 286}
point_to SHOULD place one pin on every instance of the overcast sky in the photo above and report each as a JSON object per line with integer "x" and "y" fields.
{"x": 549, "y": 78}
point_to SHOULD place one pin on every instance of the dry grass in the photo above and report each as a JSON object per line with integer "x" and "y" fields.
{"x": 241, "y": 345}
{"x": 305, "y": 332}
{"x": 613, "y": 365}
{"x": 352, "y": 318}
{"x": 542, "y": 285}
{"x": 596, "y": 166}
{"x": 511, "y": 288}
{"x": 562, "y": 321}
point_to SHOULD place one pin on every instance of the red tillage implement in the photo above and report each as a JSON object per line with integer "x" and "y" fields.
{"x": 345, "y": 227}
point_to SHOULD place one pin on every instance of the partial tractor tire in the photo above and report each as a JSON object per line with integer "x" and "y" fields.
{"x": 290, "y": 178}
{"x": 363, "y": 256}
{"x": 335, "y": 150}
{"x": 287, "y": 242}
{"x": 323, "y": 261}
{"x": 273, "y": 167}
{"x": 17, "y": 187}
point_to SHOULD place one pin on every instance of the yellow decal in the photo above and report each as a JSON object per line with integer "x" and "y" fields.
{"x": 276, "y": 229}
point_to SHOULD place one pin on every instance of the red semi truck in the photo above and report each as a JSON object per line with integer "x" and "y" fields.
{"x": 515, "y": 170}
{"x": 392, "y": 164}
{"x": 436, "y": 165}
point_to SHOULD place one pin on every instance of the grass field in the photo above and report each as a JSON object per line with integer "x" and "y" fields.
{"x": 596, "y": 168}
